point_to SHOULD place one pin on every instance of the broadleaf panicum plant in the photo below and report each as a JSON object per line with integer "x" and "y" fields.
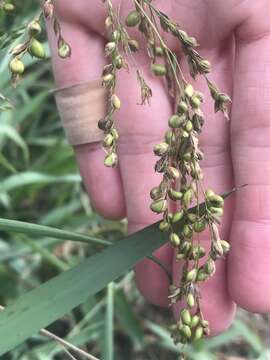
{"x": 179, "y": 153}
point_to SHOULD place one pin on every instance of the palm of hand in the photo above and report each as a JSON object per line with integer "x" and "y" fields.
{"x": 236, "y": 39}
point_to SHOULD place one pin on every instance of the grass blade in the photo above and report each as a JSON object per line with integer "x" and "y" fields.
{"x": 43, "y": 305}
{"x": 42, "y": 230}
{"x": 109, "y": 352}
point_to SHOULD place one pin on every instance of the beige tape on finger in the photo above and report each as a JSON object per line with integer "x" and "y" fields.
{"x": 81, "y": 107}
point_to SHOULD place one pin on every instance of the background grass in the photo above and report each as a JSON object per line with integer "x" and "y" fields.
{"x": 39, "y": 182}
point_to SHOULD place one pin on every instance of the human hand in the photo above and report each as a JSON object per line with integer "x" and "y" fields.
{"x": 235, "y": 37}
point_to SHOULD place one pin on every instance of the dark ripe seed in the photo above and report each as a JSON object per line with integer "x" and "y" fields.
{"x": 105, "y": 124}
{"x": 133, "y": 18}
{"x": 118, "y": 62}
{"x": 198, "y": 122}
{"x": 158, "y": 70}
{"x": 155, "y": 193}
{"x": 133, "y": 45}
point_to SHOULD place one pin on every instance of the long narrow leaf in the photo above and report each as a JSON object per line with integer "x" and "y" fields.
{"x": 42, "y": 230}
{"x": 43, "y": 305}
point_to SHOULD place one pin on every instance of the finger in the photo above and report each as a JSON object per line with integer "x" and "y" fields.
{"x": 85, "y": 64}
{"x": 141, "y": 127}
{"x": 249, "y": 262}
{"x": 217, "y": 305}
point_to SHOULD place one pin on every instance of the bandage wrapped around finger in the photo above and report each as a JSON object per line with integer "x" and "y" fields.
{"x": 81, "y": 107}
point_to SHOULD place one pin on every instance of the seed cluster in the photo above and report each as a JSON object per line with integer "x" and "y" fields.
{"x": 31, "y": 44}
{"x": 179, "y": 156}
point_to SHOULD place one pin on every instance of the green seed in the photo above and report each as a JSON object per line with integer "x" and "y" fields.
{"x": 187, "y": 197}
{"x": 189, "y": 126}
{"x": 108, "y": 140}
{"x": 115, "y": 134}
{"x": 116, "y": 36}
{"x": 175, "y": 195}
{"x": 176, "y": 121}
{"x": 164, "y": 226}
{"x": 182, "y": 107}
{"x": 16, "y": 66}
{"x": 189, "y": 91}
{"x": 161, "y": 149}
{"x": 191, "y": 275}
{"x": 190, "y": 300}
{"x": 210, "y": 267}
{"x": 158, "y": 70}
{"x": 133, "y": 18}
{"x": 175, "y": 240}
{"x": 110, "y": 47}
{"x": 34, "y": 28}
{"x": 185, "y": 316}
{"x": 107, "y": 78}
{"x": 111, "y": 160}
{"x": 187, "y": 231}
{"x": 216, "y": 211}
{"x": 159, "y": 206}
{"x": 198, "y": 333}
{"x": 216, "y": 200}
{"x": 201, "y": 276}
{"x": 225, "y": 246}
{"x": 116, "y": 103}
{"x": 185, "y": 329}
{"x": 64, "y": 51}
{"x": 194, "y": 321}
{"x": 177, "y": 216}
{"x": 199, "y": 226}
{"x": 36, "y": 49}
{"x": 195, "y": 102}
{"x": 192, "y": 217}
{"x": 159, "y": 51}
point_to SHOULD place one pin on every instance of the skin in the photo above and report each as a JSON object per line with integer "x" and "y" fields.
{"x": 235, "y": 36}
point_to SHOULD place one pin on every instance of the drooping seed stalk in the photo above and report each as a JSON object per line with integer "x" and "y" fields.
{"x": 179, "y": 156}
